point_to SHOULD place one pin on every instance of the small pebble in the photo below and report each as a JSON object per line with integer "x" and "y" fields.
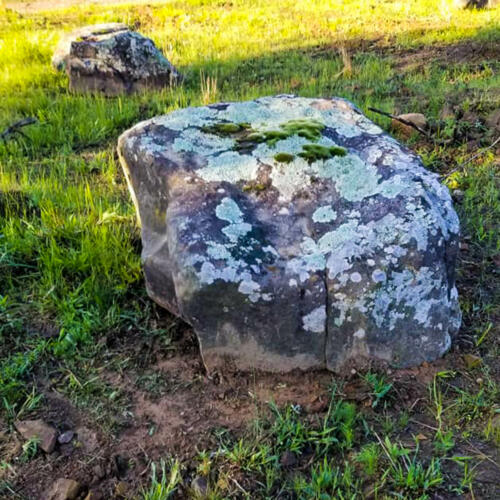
{"x": 65, "y": 437}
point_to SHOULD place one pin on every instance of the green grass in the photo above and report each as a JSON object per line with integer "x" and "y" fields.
{"x": 70, "y": 272}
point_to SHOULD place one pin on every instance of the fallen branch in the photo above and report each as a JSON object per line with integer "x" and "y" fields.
{"x": 15, "y": 128}
{"x": 401, "y": 120}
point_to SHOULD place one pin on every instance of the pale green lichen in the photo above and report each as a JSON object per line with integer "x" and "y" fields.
{"x": 356, "y": 179}
{"x": 229, "y": 211}
{"x": 229, "y": 167}
{"x": 324, "y": 214}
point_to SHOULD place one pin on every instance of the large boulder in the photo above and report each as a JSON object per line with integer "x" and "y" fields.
{"x": 293, "y": 233}
{"x": 111, "y": 59}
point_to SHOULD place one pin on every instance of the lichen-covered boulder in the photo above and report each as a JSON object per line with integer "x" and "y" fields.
{"x": 293, "y": 233}
{"x": 112, "y": 60}
{"x": 61, "y": 52}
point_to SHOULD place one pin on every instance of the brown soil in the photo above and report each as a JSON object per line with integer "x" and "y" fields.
{"x": 182, "y": 418}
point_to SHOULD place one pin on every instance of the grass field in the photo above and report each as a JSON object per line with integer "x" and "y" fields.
{"x": 83, "y": 348}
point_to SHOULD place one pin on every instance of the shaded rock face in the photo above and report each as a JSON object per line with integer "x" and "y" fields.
{"x": 111, "y": 59}
{"x": 293, "y": 233}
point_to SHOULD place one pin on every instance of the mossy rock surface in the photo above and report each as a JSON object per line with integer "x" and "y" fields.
{"x": 293, "y": 233}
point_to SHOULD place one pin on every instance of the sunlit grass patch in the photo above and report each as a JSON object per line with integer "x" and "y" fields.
{"x": 70, "y": 271}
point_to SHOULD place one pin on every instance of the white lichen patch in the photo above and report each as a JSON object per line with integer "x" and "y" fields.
{"x": 229, "y": 211}
{"x": 336, "y": 251}
{"x": 315, "y": 321}
{"x": 379, "y": 276}
{"x": 204, "y": 144}
{"x": 219, "y": 262}
{"x": 231, "y": 167}
{"x": 324, "y": 214}
{"x": 356, "y": 180}
{"x": 419, "y": 290}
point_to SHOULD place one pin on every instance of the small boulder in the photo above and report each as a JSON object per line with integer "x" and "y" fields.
{"x": 38, "y": 429}
{"x": 63, "y": 489}
{"x": 417, "y": 119}
{"x": 113, "y": 60}
{"x": 63, "y": 48}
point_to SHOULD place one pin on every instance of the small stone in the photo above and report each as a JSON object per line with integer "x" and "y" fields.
{"x": 458, "y": 195}
{"x": 65, "y": 437}
{"x": 471, "y": 361}
{"x": 288, "y": 459}
{"x": 464, "y": 246}
{"x": 417, "y": 119}
{"x": 199, "y": 485}
{"x": 38, "y": 429}
{"x": 64, "y": 489}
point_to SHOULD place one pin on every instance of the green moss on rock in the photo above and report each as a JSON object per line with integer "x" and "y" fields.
{"x": 284, "y": 157}
{"x": 309, "y": 129}
{"x": 225, "y": 129}
{"x": 247, "y": 138}
{"x": 315, "y": 152}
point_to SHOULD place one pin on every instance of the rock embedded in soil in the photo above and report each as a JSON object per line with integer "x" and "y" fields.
{"x": 327, "y": 259}
{"x": 63, "y": 489}
{"x": 112, "y": 60}
{"x": 38, "y": 429}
